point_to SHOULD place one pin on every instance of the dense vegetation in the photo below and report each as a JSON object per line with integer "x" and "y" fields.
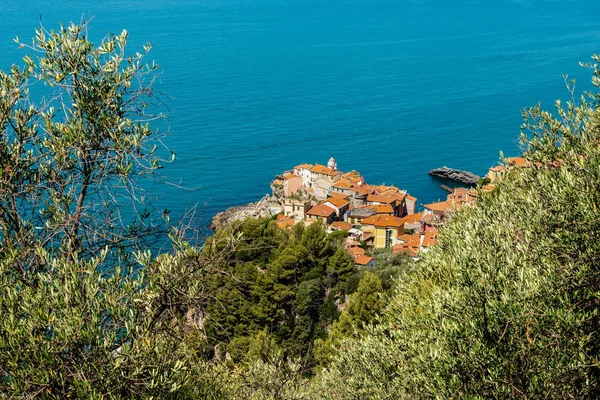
{"x": 505, "y": 306}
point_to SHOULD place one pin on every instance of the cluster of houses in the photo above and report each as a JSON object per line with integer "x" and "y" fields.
{"x": 499, "y": 171}
{"x": 375, "y": 216}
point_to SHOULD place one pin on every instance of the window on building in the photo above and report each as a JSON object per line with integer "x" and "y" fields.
{"x": 388, "y": 238}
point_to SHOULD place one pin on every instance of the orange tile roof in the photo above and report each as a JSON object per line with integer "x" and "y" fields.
{"x": 411, "y": 251}
{"x": 384, "y": 220}
{"x": 360, "y": 189}
{"x": 339, "y": 195}
{"x": 381, "y": 199}
{"x": 389, "y": 189}
{"x": 518, "y": 162}
{"x": 441, "y": 206}
{"x": 303, "y": 166}
{"x": 384, "y": 209}
{"x": 321, "y": 169}
{"x": 342, "y": 184}
{"x": 291, "y": 176}
{"x": 429, "y": 239}
{"x": 411, "y": 198}
{"x": 338, "y": 202}
{"x": 413, "y": 218}
{"x": 352, "y": 174}
{"x": 410, "y": 240}
{"x": 363, "y": 260}
{"x": 498, "y": 168}
{"x": 284, "y": 222}
{"x": 356, "y": 251}
{"x": 341, "y": 225}
{"x": 321, "y": 211}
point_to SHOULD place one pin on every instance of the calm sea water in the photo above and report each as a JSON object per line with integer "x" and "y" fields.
{"x": 390, "y": 88}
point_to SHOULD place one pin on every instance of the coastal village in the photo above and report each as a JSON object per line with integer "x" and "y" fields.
{"x": 375, "y": 216}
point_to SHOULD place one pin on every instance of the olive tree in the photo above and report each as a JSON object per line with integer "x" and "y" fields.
{"x": 86, "y": 310}
{"x": 506, "y": 304}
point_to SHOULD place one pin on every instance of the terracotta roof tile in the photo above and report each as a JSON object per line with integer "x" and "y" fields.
{"x": 411, "y": 251}
{"x": 381, "y": 199}
{"x": 363, "y": 260}
{"x": 303, "y": 166}
{"x": 284, "y": 222}
{"x": 342, "y": 184}
{"x": 429, "y": 239}
{"x": 337, "y": 202}
{"x": 291, "y": 176}
{"x": 321, "y": 169}
{"x": 441, "y": 206}
{"x": 341, "y": 225}
{"x": 339, "y": 195}
{"x": 518, "y": 162}
{"x": 384, "y": 209}
{"x": 413, "y": 218}
{"x": 321, "y": 211}
{"x": 384, "y": 220}
{"x": 356, "y": 251}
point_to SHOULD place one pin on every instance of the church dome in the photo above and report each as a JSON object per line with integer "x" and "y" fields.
{"x": 331, "y": 164}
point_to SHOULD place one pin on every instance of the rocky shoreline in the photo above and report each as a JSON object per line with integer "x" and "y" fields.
{"x": 265, "y": 207}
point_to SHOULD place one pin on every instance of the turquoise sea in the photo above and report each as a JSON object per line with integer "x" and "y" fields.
{"x": 389, "y": 88}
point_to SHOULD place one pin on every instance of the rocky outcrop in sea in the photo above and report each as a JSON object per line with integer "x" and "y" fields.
{"x": 464, "y": 177}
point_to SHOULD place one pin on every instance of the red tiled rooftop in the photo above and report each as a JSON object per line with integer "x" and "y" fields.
{"x": 441, "y": 206}
{"x": 342, "y": 184}
{"x": 321, "y": 169}
{"x": 411, "y": 251}
{"x": 303, "y": 166}
{"x": 363, "y": 260}
{"x": 375, "y": 198}
{"x": 356, "y": 251}
{"x": 291, "y": 176}
{"x": 429, "y": 239}
{"x": 413, "y": 218}
{"x": 321, "y": 211}
{"x": 339, "y": 195}
{"x": 338, "y": 202}
{"x": 341, "y": 225}
{"x": 384, "y": 209}
{"x": 384, "y": 220}
{"x": 518, "y": 162}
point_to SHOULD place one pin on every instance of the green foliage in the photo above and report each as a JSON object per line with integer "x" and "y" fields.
{"x": 84, "y": 315}
{"x": 506, "y": 305}
{"x": 69, "y": 163}
{"x": 283, "y": 283}
{"x": 483, "y": 181}
{"x": 362, "y": 308}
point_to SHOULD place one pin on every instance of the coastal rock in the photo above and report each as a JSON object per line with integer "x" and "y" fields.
{"x": 465, "y": 177}
{"x": 265, "y": 207}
